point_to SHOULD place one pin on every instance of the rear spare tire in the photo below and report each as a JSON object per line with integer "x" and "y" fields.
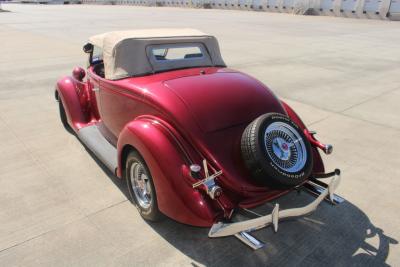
{"x": 276, "y": 151}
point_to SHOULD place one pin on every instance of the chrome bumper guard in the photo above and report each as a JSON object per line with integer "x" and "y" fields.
{"x": 242, "y": 229}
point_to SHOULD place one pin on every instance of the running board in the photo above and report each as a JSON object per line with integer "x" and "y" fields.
{"x": 99, "y": 146}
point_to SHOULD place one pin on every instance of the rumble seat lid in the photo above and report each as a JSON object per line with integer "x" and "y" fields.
{"x": 223, "y": 99}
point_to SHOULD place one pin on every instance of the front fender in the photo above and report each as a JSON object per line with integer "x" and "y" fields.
{"x": 73, "y": 95}
{"x": 318, "y": 163}
{"x": 175, "y": 196}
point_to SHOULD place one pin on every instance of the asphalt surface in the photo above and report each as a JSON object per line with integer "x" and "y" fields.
{"x": 59, "y": 207}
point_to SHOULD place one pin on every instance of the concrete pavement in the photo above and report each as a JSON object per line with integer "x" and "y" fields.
{"x": 59, "y": 207}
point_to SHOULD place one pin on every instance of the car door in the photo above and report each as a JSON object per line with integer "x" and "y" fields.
{"x": 115, "y": 105}
{"x": 95, "y": 73}
{"x": 93, "y": 88}
{"x": 96, "y": 85}
{"x": 118, "y": 105}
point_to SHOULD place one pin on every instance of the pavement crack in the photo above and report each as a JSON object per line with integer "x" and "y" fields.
{"x": 369, "y": 99}
{"x": 103, "y": 209}
{"x": 62, "y": 226}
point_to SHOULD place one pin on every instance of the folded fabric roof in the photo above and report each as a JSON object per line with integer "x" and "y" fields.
{"x": 125, "y": 55}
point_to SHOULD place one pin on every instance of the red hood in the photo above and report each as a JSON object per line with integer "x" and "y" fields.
{"x": 223, "y": 99}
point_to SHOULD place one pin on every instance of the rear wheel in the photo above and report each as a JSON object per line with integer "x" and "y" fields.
{"x": 141, "y": 187}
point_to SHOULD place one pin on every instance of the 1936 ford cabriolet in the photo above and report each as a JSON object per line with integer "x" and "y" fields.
{"x": 194, "y": 140}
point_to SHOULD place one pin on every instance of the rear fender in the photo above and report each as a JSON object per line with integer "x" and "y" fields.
{"x": 318, "y": 163}
{"x": 75, "y": 99}
{"x": 167, "y": 163}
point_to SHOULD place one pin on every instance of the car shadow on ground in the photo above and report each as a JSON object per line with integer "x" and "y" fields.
{"x": 340, "y": 235}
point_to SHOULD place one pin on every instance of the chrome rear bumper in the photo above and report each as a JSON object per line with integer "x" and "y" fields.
{"x": 242, "y": 229}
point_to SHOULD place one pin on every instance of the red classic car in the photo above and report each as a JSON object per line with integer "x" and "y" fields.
{"x": 195, "y": 140}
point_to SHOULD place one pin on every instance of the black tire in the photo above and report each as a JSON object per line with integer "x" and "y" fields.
{"x": 63, "y": 117}
{"x": 258, "y": 152}
{"x": 151, "y": 213}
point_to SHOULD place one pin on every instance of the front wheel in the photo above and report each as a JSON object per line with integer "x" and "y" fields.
{"x": 141, "y": 187}
{"x": 63, "y": 117}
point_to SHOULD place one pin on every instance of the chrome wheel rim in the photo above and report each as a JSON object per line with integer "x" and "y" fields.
{"x": 140, "y": 184}
{"x": 285, "y": 147}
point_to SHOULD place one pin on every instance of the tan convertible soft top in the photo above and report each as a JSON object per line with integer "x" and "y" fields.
{"x": 125, "y": 53}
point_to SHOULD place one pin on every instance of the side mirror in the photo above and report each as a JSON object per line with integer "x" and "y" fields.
{"x": 88, "y": 48}
{"x": 78, "y": 73}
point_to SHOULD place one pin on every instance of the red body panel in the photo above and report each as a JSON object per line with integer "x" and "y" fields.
{"x": 177, "y": 118}
{"x": 175, "y": 195}
{"x": 79, "y": 102}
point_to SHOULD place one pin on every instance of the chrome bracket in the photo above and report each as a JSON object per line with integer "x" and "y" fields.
{"x": 212, "y": 189}
{"x": 316, "y": 190}
{"x": 249, "y": 240}
{"x": 316, "y": 187}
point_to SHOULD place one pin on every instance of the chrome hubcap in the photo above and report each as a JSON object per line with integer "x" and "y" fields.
{"x": 140, "y": 184}
{"x": 285, "y": 147}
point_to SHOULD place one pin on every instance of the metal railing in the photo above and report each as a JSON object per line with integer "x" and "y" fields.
{"x": 375, "y": 9}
